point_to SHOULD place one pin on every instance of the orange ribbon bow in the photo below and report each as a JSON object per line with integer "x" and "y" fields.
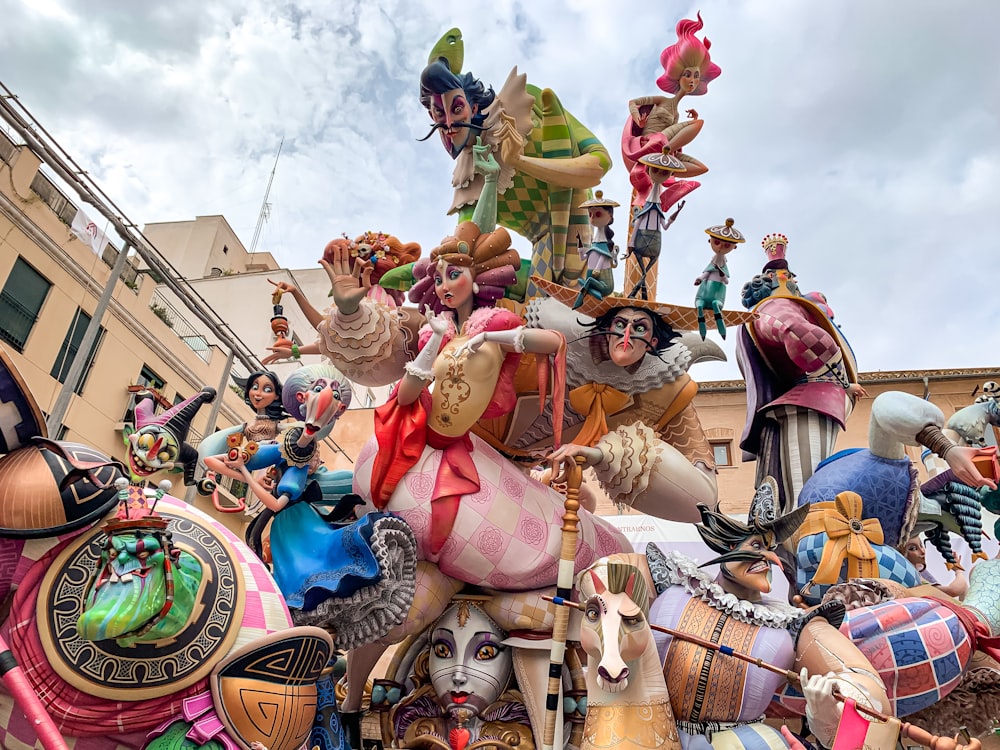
{"x": 850, "y": 538}
{"x": 596, "y": 401}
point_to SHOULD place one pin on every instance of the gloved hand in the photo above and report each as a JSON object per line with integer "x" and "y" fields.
{"x": 822, "y": 709}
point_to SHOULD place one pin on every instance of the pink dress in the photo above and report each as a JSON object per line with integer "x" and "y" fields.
{"x": 474, "y": 513}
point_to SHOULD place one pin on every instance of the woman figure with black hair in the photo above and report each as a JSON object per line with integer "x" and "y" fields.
{"x": 262, "y": 394}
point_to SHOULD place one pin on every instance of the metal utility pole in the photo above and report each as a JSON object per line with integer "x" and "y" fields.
{"x": 265, "y": 207}
{"x": 53, "y": 155}
{"x": 58, "y": 411}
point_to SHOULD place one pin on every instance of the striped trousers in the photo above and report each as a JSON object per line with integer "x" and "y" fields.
{"x": 793, "y": 441}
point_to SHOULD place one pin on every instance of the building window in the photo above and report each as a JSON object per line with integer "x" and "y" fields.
{"x": 152, "y": 381}
{"x": 722, "y": 453}
{"x": 70, "y": 346}
{"x": 20, "y": 302}
{"x": 225, "y": 250}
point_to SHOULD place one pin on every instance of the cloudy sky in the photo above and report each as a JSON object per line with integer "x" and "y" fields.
{"x": 865, "y": 130}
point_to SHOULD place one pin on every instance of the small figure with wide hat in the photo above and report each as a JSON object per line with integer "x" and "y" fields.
{"x": 602, "y": 254}
{"x": 713, "y": 280}
{"x": 650, "y": 219}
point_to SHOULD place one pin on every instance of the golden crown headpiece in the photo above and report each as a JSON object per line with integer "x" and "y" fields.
{"x": 771, "y": 242}
{"x": 135, "y": 512}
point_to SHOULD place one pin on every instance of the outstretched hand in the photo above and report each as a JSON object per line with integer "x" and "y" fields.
{"x": 349, "y": 286}
{"x": 483, "y": 161}
{"x": 278, "y": 353}
{"x": 438, "y": 323}
{"x": 282, "y": 288}
{"x": 470, "y": 346}
{"x": 692, "y": 114}
{"x": 856, "y": 391}
{"x": 959, "y": 460}
{"x": 511, "y": 141}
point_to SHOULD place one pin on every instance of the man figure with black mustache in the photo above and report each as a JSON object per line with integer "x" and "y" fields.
{"x": 547, "y": 159}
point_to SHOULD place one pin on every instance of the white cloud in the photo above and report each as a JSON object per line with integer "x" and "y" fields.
{"x": 865, "y": 134}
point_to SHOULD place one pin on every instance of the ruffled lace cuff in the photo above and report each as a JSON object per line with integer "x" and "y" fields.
{"x": 412, "y": 368}
{"x": 367, "y": 345}
{"x": 630, "y": 452}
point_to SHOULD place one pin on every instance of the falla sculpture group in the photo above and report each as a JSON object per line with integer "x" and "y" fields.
{"x": 465, "y": 535}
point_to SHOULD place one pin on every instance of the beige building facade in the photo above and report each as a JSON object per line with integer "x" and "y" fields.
{"x": 50, "y": 284}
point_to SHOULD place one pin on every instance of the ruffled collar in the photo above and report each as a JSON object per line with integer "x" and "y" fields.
{"x": 674, "y": 569}
{"x": 511, "y": 108}
{"x": 652, "y": 373}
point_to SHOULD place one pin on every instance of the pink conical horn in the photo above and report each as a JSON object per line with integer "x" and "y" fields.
{"x": 20, "y": 689}
{"x": 599, "y": 586}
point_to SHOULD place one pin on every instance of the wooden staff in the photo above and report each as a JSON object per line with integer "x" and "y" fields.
{"x": 564, "y": 588}
{"x": 915, "y": 733}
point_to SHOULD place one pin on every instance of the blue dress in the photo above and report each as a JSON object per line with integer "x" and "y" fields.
{"x": 314, "y": 560}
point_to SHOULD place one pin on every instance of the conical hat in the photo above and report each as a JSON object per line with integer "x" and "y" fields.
{"x": 676, "y": 316}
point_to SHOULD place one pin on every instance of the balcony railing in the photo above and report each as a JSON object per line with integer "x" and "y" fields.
{"x": 166, "y": 312}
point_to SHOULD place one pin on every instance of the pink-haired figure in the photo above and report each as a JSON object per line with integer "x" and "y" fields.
{"x": 654, "y": 121}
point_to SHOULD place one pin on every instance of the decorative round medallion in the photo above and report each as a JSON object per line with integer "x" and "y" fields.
{"x": 144, "y": 670}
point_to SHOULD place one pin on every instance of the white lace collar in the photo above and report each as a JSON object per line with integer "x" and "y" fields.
{"x": 675, "y": 569}
{"x": 653, "y": 372}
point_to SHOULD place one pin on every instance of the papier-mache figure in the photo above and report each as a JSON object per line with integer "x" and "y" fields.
{"x": 713, "y": 699}
{"x": 650, "y": 219}
{"x": 425, "y": 465}
{"x": 601, "y": 255}
{"x": 464, "y": 687}
{"x": 547, "y": 158}
{"x": 712, "y": 283}
{"x": 630, "y": 413}
{"x": 365, "y": 320}
{"x": 159, "y": 442}
{"x": 654, "y": 121}
{"x": 801, "y": 377}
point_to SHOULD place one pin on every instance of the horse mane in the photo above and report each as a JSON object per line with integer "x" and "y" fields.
{"x": 616, "y": 577}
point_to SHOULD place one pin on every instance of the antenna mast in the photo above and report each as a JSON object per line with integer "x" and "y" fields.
{"x": 265, "y": 207}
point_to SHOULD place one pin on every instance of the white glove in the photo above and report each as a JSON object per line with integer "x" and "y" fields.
{"x": 822, "y": 709}
{"x": 422, "y": 366}
{"x": 513, "y": 337}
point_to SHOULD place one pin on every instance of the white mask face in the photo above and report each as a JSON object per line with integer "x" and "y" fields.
{"x": 469, "y": 666}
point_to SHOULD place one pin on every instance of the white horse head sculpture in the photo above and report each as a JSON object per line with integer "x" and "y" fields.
{"x": 615, "y": 632}
{"x": 627, "y": 699}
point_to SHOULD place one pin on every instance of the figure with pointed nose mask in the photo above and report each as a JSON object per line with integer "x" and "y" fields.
{"x": 733, "y": 607}
{"x": 631, "y": 411}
